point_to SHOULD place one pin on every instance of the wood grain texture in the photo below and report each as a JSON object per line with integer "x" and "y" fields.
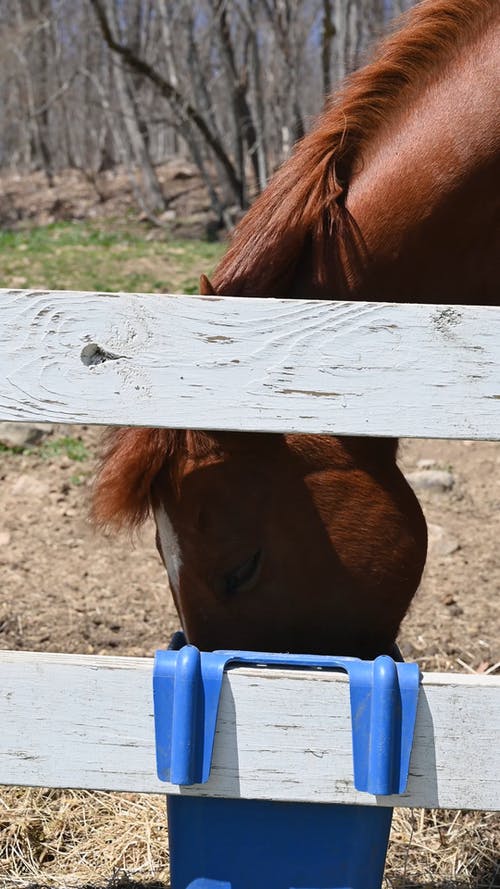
{"x": 256, "y": 365}
{"x": 87, "y": 721}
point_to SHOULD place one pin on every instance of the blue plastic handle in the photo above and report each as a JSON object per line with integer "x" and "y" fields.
{"x": 187, "y": 685}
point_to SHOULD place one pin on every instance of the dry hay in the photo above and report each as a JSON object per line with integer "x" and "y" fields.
{"x": 78, "y": 839}
{"x": 440, "y": 849}
{"x": 58, "y": 839}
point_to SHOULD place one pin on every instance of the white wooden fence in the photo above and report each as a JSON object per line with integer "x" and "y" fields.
{"x": 274, "y": 365}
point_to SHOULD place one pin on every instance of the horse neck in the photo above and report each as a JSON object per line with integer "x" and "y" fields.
{"x": 424, "y": 198}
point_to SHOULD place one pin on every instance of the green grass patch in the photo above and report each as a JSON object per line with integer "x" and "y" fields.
{"x": 73, "y": 448}
{"x": 8, "y": 449}
{"x": 78, "y": 479}
{"x": 67, "y": 446}
{"x": 103, "y": 257}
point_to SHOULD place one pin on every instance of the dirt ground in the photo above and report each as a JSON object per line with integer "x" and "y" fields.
{"x": 66, "y": 588}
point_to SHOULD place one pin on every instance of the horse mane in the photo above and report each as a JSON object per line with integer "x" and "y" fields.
{"x": 303, "y": 208}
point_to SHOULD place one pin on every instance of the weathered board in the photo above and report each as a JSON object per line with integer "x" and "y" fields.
{"x": 256, "y": 365}
{"x": 86, "y": 721}
{"x": 250, "y": 364}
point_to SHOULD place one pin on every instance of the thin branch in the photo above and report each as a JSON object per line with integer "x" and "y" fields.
{"x": 169, "y": 92}
{"x": 42, "y": 109}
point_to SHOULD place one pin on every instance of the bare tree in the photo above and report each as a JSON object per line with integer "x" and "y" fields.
{"x": 181, "y": 105}
{"x": 230, "y": 83}
{"x": 357, "y": 23}
{"x": 283, "y": 17}
{"x": 328, "y": 33}
{"x": 151, "y": 189}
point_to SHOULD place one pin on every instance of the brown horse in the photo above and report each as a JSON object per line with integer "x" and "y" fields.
{"x": 315, "y": 543}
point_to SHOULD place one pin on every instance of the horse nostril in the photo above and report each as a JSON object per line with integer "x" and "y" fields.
{"x": 244, "y": 577}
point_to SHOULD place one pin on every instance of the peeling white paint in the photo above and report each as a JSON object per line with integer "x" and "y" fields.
{"x": 261, "y": 365}
{"x": 87, "y": 721}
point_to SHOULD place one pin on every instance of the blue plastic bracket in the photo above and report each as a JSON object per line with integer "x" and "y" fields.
{"x": 187, "y": 685}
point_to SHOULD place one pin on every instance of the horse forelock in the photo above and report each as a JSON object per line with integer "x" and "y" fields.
{"x": 301, "y": 217}
{"x": 131, "y": 462}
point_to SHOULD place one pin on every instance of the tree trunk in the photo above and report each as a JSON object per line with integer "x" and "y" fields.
{"x": 327, "y": 35}
{"x": 153, "y": 195}
{"x": 179, "y": 102}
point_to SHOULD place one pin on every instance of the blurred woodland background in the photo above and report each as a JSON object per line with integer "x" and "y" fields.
{"x": 100, "y": 86}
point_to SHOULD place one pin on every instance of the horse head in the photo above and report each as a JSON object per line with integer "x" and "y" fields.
{"x": 273, "y": 542}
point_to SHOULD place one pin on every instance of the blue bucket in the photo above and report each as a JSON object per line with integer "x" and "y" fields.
{"x": 256, "y": 844}
{"x": 263, "y": 844}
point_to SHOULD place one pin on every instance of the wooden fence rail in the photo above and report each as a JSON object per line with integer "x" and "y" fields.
{"x": 250, "y": 365}
{"x": 87, "y": 721}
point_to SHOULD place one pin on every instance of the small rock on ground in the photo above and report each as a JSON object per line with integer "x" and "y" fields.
{"x": 430, "y": 480}
{"x": 441, "y": 542}
{"x": 28, "y": 487}
{"x": 22, "y": 435}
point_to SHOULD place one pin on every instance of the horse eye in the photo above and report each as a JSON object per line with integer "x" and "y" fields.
{"x": 244, "y": 576}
